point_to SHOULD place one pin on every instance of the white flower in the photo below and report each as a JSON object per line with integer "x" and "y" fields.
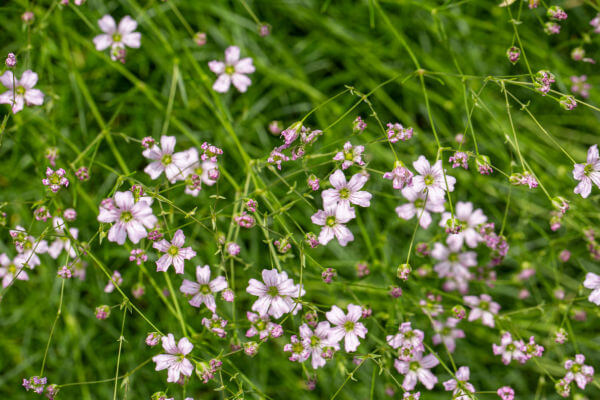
{"x": 175, "y": 253}
{"x": 130, "y": 218}
{"x": 275, "y": 294}
{"x": 344, "y": 193}
{"x": 232, "y": 71}
{"x": 592, "y": 281}
{"x": 431, "y": 178}
{"x": 173, "y": 165}
{"x": 332, "y": 219}
{"x": 117, "y": 37}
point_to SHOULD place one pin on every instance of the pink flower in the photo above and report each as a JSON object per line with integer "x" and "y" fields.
{"x": 447, "y": 333}
{"x": 130, "y": 218}
{"x": 262, "y": 326}
{"x": 174, "y": 360}
{"x": 216, "y": 325}
{"x": 460, "y": 387}
{"x": 62, "y": 242}
{"x": 117, "y": 37}
{"x": 469, "y": 221}
{"x": 173, "y": 165}
{"x": 454, "y": 264}
{"x": 400, "y": 176}
{"x": 482, "y": 307}
{"x": 350, "y": 155}
{"x": 275, "y": 294}
{"x": 233, "y": 70}
{"x": 579, "y": 372}
{"x": 197, "y": 172}
{"x": 318, "y": 342}
{"x": 332, "y": 219}
{"x": 420, "y": 205}
{"x": 509, "y": 349}
{"x": 592, "y": 281}
{"x": 55, "y": 179}
{"x": 115, "y": 279}
{"x": 345, "y": 193}
{"x": 28, "y": 248}
{"x": 431, "y": 178}
{"x": 175, "y": 253}
{"x": 588, "y": 173}
{"x": 298, "y": 348}
{"x": 20, "y": 91}
{"x": 346, "y": 326}
{"x": 417, "y": 368}
{"x": 9, "y": 271}
{"x": 506, "y": 393}
{"x": 407, "y": 337}
{"x": 203, "y": 291}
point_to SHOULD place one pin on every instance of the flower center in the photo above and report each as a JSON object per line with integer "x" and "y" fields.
{"x": 348, "y": 326}
{"x": 484, "y": 305}
{"x": 198, "y": 171}
{"x": 576, "y": 368}
{"x": 453, "y": 257}
{"x": 315, "y": 340}
{"x": 419, "y": 203}
{"x": 20, "y": 90}
{"x": 297, "y": 347}
{"x": 414, "y": 366}
{"x": 348, "y": 155}
{"x": 173, "y": 250}
{"x": 429, "y": 179}
{"x": 261, "y": 325}
{"x": 205, "y": 289}
{"x": 588, "y": 169}
{"x": 116, "y": 37}
{"x": 273, "y": 291}
{"x": 126, "y": 216}
{"x": 12, "y": 269}
{"x": 229, "y": 70}
{"x": 166, "y": 159}
{"x": 344, "y": 193}
{"x": 330, "y": 221}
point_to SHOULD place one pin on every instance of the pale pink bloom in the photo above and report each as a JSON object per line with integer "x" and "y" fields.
{"x": 579, "y": 372}
{"x": 203, "y": 291}
{"x": 175, "y": 253}
{"x": 482, "y": 307}
{"x": 350, "y": 155}
{"x": 318, "y": 342}
{"x": 216, "y": 325}
{"x": 28, "y": 248}
{"x": 115, "y": 279}
{"x": 346, "y": 326}
{"x": 232, "y": 71}
{"x": 417, "y": 369}
{"x": 275, "y": 294}
{"x": 175, "y": 360}
{"x": 345, "y": 193}
{"x": 469, "y": 223}
{"x": 63, "y": 242}
{"x": 407, "y": 337}
{"x": 117, "y": 37}
{"x": 509, "y": 349}
{"x": 400, "y": 176}
{"x": 173, "y": 164}
{"x": 588, "y": 173}
{"x": 55, "y": 179}
{"x": 460, "y": 387}
{"x": 447, "y": 333}
{"x": 431, "y": 178}
{"x": 453, "y": 264}
{"x": 592, "y": 281}
{"x": 332, "y": 219}
{"x": 197, "y": 172}
{"x": 9, "y": 271}
{"x": 130, "y": 218}
{"x": 262, "y": 326}
{"x": 420, "y": 205}
{"x": 299, "y": 349}
{"x": 20, "y": 91}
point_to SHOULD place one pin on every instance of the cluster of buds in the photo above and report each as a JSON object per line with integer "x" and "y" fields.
{"x": 328, "y": 275}
{"x": 397, "y": 132}
{"x": 102, "y": 312}
{"x": 513, "y": 54}
{"x": 543, "y": 80}
{"x": 358, "y": 126}
{"x": 148, "y": 142}
{"x": 312, "y": 240}
{"x": 290, "y": 135}
{"x": 153, "y": 339}
{"x": 567, "y": 102}
{"x": 210, "y": 152}
{"x": 404, "y": 271}
{"x": 497, "y": 243}
{"x": 55, "y": 179}
{"x": 264, "y": 30}
{"x": 362, "y": 269}
{"x": 313, "y": 182}
{"x": 283, "y": 245}
{"x": 459, "y": 159}
{"x": 11, "y": 60}
{"x": 453, "y": 226}
{"x": 200, "y": 38}
{"x": 525, "y": 179}
{"x": 483, "y": 165}
{"x": 251, "y": 205}
{"x": 593, "y": 246}
{"x": 206, "y": 371}
{"x": 216, "y": 325}
{"x": 66, "y": 272}
{"x": 395, "y": 292}
{"x": 399, "y": 175}
{"x": 556, "y": 13}
{"x": 138, "y": 255}
{"x": 233, "y": 249}
{"x": 245, "y": 220}
{"x": 41, "y": 214}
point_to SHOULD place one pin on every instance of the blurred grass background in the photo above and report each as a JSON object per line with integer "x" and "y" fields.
{"x": 95, "y": 108}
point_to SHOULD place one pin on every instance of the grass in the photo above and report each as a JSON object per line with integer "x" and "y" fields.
{"x": 439, "y": 67}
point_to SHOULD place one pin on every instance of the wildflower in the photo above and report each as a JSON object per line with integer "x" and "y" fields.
{"x": 592, "y": 281}
{"x": 506, "y": 393}
{"x": 117, "y": 37}
{"x": 311, "y": 240}
{"x": 432, "y": 179}
{"x": 482, "y": 307}
{"x": 403, "y": 271}
{"x": 313, "y": 182}
{"x": 63, "y": 242}
{"x": 175, "y": 253}
{"x": 543, "y": 80}
{"x": 579, "y": 372}
{"x": 588, "y": 173}
{"x": 245, "y": 220}
{"x": 262, "y": 326}
{"x": 469, "y": 221}
{"x": 203, "y": 291}
{"x": 35, "y": 383}
{"x": 483, "y": 165}
{"x": 362, "y": 269}
{"x": 345, "y": 193}
{"x": 116, "y": 279}
{"x": 513, "y": 54}
{"x": 358, "y": 125}
{"x": 138, "y": 255}
{"x": 525, "y": 179}
{"x": 510, "y": 349}
{"x": 28, "y": 248}
{"x": 233, "y": 249}
{"x": 102, "y": 312}
{"x": 200, "y": 38}
{"x": 70, "y": 214}
{"x": 298, "y": 349}
{"x": 251, "y": 205}
{"x": 452, "y": 263}
{"x": 397, "y": 132}
{"x": 459, "y": 159}
{"x": 275, "y": 294}
{"x": 173, "y": 165}
{"x": 152, "y": 339}
{"x": 407, "y": 338}
{"x": 216, "y": 324}
{"x": 232, "y": 71}
{"x": 130, "y": 218}
{"x": 346, "y": 326}
{"x": 55, "y": 180}
{"x": 551, "y": 28}
{"x": 328, "y": 275}
{"x": 11, "y": 60}
{"x": 568, "y": 102}
{"x": 275, "y": 127}
{"x": 417, "y": 368}
{"x": 277, "y": 157}
{"x": 20, "y": 91}
{"x": 461, "y": 388}
{"x": 563, "y": 387}
{"x": 395, "y": 292}
{"x": 41, "y": 214}
{"x": 580, "y": 86}
{"x": 447, "y": 333}
{"x": 174, "y": 360}
{"x": 556, "y": 13}
{"x": 9, "y": 271}
{"x": 251, "y": 348}
{"x": 420, "y": 205}
{"x": 350, "y": 155}
{"x": 332, "y": 219}
{"x": 399, "y": 175}
{"x": 318, "y": 343}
